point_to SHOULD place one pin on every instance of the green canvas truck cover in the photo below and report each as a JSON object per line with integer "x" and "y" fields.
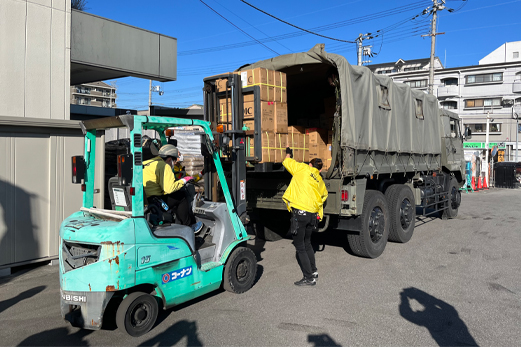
{"x": 368, "y": 122}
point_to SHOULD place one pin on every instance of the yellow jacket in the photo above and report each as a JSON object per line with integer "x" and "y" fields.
{"x": 158, "y": 178}
{"x": 306, "y": 190}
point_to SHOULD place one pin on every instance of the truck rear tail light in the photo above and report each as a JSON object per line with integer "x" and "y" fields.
{"x": 345, "y": 195}
{"x": 83, "y": 187}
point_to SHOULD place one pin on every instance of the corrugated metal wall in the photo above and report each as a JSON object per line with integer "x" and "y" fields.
{"x": 36, "y": 192}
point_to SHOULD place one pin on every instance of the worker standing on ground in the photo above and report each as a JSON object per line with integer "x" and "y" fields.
{"x": 305, "y": 198}
{"x": 159, "y": 182}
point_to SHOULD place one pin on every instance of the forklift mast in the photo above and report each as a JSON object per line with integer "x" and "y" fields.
{"x": 232, "y": 132}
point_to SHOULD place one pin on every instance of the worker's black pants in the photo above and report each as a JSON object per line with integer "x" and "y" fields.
{"x": 304, "y": 223}
{"x": 178, "y": 202}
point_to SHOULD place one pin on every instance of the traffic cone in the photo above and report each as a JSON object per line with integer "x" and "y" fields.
{"x": 479, "y": 183}
{"x": 485, "y": 183}
{"x": 473, "y": 183}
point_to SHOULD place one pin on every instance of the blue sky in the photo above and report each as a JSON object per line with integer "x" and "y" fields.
{"x": 208, "y": 45}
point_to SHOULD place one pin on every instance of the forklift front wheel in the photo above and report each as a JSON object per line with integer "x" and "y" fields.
{"x": 137, "y": 313}
{"x": 240, "y": 270}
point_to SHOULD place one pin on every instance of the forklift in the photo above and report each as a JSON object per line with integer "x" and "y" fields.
{"x": 135, "y": 257}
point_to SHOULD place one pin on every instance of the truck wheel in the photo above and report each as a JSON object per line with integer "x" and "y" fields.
{"x": 371, "y": 241}
{"x": 240, "y": 270}
{"x": 454, "y": 200}
{"x": 137, "y": 313}
{"x": 402, "y": 210}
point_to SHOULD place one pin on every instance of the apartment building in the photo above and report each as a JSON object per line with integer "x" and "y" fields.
{"x": 492, "y": 88}
{"x": 98, "y": 94}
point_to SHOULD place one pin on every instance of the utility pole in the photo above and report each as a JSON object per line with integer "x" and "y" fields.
{"x": 436, "y": 6}
{"x": 150, "y": 94}
{"x": 360, "y": 48}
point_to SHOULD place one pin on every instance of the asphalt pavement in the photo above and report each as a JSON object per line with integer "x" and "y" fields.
{"x": 457, "y": 282}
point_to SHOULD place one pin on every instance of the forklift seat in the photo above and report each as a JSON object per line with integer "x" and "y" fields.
{"x": 176, "y": 230}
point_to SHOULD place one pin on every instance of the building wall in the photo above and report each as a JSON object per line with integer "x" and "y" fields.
{"x": 36, "y": 192}
{"x": 35, "y": 58}
{"x": 503, "y": 54}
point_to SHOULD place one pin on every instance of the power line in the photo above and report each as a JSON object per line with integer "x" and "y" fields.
{"x": 356, "y": 20}
{"x": 244, "y": 32}
{"x": 293, "y": 25}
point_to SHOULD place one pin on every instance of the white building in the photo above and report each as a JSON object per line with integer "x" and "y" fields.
{"x": 491, "y": 88}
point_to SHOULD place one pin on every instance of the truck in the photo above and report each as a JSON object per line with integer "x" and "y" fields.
{"x": 394, "y": 151}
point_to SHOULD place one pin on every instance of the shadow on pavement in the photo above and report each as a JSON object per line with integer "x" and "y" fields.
{"x": 176, "y": 333}
{"x": 322, "y": 340}
{"x": 441, "y": 319}
{"x": 58, "y": 337}
{"x": 4, "y": 305}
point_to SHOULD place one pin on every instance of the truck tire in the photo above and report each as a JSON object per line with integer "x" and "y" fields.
{"x": 240, "y": 270}
{"x": 402, "y": 209}
{"x": 454, "y": 199}
{"x": 371, "y": 241}
{"x": 137, "y": 314}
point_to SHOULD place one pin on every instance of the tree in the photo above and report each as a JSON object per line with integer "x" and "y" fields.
{"x": 80, "y": 5}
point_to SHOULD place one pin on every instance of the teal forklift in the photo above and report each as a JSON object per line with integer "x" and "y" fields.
{"x": 131, "y": 254}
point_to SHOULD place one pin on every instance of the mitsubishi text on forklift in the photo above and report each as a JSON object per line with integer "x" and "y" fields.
{"x": 131, "y": 254}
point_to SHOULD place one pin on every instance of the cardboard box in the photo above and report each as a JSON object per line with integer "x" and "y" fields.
{"x": 298, "y": 140}
{"x": 317, "y": 142}
{"x": 279, "y": 79}
{"x": 258, "y": 76}
{"x": 281, "y": 118}
{"x": 281, "y": 142}
{"x": 225, "y": 108}
{"x": 268, "y": 147}
{"x": 326, "y": 157}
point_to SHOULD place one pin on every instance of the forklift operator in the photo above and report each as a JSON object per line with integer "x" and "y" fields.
{"x": 305, "y": 198}
{"x": 159, "y": 181}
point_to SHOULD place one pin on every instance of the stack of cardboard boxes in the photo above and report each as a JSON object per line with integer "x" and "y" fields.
{"x": 307, "y": 140}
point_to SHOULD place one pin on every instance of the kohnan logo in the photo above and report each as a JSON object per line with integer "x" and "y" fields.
{"x": 172, "y": 248}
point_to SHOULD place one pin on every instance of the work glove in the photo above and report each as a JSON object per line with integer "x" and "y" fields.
{"x": 187, "y": 179}
{"x": 289, "y": 151}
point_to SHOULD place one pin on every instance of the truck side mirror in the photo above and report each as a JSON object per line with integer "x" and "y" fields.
{"x": 78, "y": 169}
{"x": 468, "y": 133}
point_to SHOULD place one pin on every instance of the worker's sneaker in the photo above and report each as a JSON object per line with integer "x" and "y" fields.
{"x": 306, "y": 282}
{"x": 315, "y": 275}
{"x": 197, "y": 227}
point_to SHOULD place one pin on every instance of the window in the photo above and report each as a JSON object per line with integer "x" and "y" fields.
{"x": 419, "y": 109}
{"x": 482, "y": 127}
{"x": 449, "y": 105}
{"x": 515, "y": 55}
{"x": 412, "y": 68}
{"x": 483, "y": 102}
{"x": 485, "y": 78}
{"x": 455, "y": 129}
{"x": 450, "y": 82}
{"x": 384, "y": 98}
{"x": 417, "y": 83}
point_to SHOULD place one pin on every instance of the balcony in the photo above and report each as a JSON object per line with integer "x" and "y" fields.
{"x": 516, "y": 86}
{"x": 448, "y": 91}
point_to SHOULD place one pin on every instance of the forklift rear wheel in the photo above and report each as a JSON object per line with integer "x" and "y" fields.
{"x": 240, "y": 270}
{"x": 137, "y": 314}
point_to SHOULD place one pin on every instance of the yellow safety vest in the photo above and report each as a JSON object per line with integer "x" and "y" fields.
{"x": 158, "y": 178}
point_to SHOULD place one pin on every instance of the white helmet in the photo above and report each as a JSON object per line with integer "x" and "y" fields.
{"x": 169, "y": 151}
